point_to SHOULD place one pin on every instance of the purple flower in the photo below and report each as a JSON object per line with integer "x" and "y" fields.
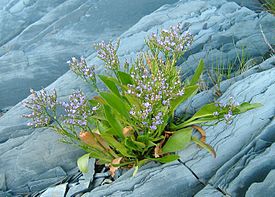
{"x": 80, "y": 68}
{"x": 153, "y": 127}
{"x": 77, "y": 109}
{"x": 107, "y": 53}
{"x": 42, "y": 105}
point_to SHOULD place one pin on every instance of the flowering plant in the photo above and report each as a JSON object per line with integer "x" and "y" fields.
{"x": 132, "y": 122}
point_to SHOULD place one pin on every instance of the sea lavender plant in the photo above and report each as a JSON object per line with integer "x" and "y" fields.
{"x": 133, "y": 122}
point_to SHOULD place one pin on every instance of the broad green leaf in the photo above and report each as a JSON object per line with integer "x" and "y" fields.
{"x": 82, "y": 163}
{"x": 188, "y": 92}
{"x": 116, "y": 145}
{"x": 134, "y": 145}
{"x": 114, "y": 123}
{"x": 197, "y": 73}
{"x": 166, "y": 159}
{"x": 247, "y": 106}
{"x": 140, "y": 145}
{"x": 206, "y": 111}
{"x": 110, "y": 84}
{"x": 117, "y": 104}
{"x": 178, "y": 141}
{"x": 209, "y": 148}
{"x": 94, "y": 102}
{"x": 125, "y": 78}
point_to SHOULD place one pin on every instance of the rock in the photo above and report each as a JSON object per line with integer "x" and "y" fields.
{"x": 209, "y": 191}
{"x": 226, "y": 29}
{"x": 39, "y": 185}
{"x": 151, "y": 182}
{"x": 264, "y": 188}
{"x": 84, "y": 181}
{"x": 5, "y": 194}
{"x": 254, "y": 5}
{"x": 38, "y": 37}
{"x": 59, "y": 190}
{"x": 89, "y": 176}
{"x": 2, "y": 182}
{"x": 78, "y": 188}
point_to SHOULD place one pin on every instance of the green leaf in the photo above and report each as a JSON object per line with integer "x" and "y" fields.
{"x": 115, "y": 144}
{"x": 135, "y": 171}
{"x": 209, "y": 148}
{"x": 166, "y": 159}
{"x": 197, "y": 73}
{"x": 206, "y": 111}
{"x": 188, "y": 92}
{"x": 82, "y": 163}
{"x": 125, "y": 78}
{"x": 116, "y": 103}
{"x": 248, "y": 106}
{"x": 178, "y": 141}
{"x": 134, "y": 145}
{"x": 114, "y": 123}
{"x": 94, "y": 102}
{"x": 108, "y": 81}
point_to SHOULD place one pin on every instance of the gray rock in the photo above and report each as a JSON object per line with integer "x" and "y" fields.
{"x": 81, "y": 187}
{"x": 5, "y": 194}
{"x": 58, "y": 190}
{"x": 35, "y": 186}
{"x": 264, "y": 188}
{"x": 2, "y": 182}
{"x": 37, "y": 150}
{"x": 84, "y": 181}
{"x": 209, "y": 191}
{"x": 38, "y": 37}
{"x": 152, "y": 181}
{"x": 251, "y": 4}
{"x": 89, "y": 176}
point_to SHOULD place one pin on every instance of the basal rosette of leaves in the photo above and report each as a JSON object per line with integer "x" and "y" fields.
{"x": 131, "y": 121}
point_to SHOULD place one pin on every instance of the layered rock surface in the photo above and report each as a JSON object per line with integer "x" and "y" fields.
{"x": 37, "y": 37}
{"x": 32, "y": 159}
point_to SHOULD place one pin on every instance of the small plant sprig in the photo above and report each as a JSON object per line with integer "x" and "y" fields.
{"x": 132, "y": 122}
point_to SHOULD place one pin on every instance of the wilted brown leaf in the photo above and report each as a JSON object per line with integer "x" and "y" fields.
{"x": 112, "y": 168}
{"x": 89, "y": 139}
{"x": 201, "y": 131}
{"x": 127, "y": 131}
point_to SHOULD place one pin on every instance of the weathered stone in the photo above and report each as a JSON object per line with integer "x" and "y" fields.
{"x": 38, "y": 37}
{"x": 89, "y": 176}
{"x": 264, "y": 188}
{"x": 58, "y": 190}
{"x": 209, "y": 191}
{"x": 152, "y": 181}
{"x": 2, "y": 182}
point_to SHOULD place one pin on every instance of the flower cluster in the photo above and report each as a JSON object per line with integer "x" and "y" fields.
{"x": 155, "y": 92}
{"x": 80, "y": 68}
{"x": 107, "y": 52}
{"x": 43, "y": 106}
{"x": 172, "y": 40}
{"x": 229, "y": 106}
{"x": 77, "y": 109}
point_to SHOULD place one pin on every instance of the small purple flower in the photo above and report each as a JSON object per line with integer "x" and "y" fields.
{"x": 147, "y": 104}
{"x": 77, "y": 109}
{"x": 215, "y": 113}
{"x": 43, "y": 106}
